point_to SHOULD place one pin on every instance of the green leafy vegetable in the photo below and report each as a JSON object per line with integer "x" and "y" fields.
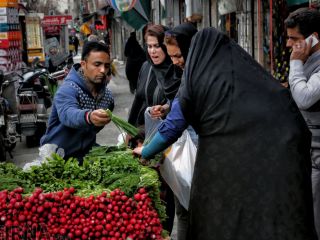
{"x": 122, "y": 124}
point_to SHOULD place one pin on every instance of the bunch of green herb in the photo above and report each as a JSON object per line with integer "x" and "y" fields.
{"x": 123, "y": 125}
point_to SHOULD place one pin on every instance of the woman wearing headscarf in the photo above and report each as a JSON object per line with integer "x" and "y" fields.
{"x": 177, "y": 41}
{"x": 152, "y": 75}
{"x": 252, "y": 173}
{"x": 150, "y": 92}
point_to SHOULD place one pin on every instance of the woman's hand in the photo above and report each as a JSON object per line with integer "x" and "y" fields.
{"x": 138, "y": 150}
{"x": 159, "y": 111}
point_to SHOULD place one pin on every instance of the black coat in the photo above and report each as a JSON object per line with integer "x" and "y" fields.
{"x": 252, "y": 173}
{"x": 135, "y": 58}
{"x": 148, "y": 93}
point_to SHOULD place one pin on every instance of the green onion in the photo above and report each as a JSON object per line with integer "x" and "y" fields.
{"x": 122, "y": 124}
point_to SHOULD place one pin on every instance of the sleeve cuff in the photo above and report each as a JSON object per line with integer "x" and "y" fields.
{"x": 157, "y": 145}
{"x": 87, "y": 117}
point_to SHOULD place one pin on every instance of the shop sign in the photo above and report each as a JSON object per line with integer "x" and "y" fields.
{"x": 56, "y": 20}
{"x": 36, "y": 53}
{"x": 52, "y": 30}
{"x": 33, "y": 29}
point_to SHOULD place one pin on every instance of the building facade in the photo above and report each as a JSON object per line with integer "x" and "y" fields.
{"x": 256, "y": 25}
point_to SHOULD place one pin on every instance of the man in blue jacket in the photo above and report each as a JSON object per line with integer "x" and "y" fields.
{"x": 78, "y": 109}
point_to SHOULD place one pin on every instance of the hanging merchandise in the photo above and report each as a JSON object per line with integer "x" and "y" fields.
{"x": 123, "y": 5}
{"x": 280, "y": 54}
{"x": 10, "y": 36}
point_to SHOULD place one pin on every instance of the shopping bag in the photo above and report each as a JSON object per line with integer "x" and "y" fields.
{"x": 150, "y": 125}
{"x": 177, "y": 168}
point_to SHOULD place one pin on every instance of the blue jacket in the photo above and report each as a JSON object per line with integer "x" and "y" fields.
{"x": 67, "y": 127}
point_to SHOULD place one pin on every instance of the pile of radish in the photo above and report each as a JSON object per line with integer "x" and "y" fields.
{"x": 63, "y": 215}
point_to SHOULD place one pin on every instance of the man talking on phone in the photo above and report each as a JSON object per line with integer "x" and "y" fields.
{"x": 303, "y": 30}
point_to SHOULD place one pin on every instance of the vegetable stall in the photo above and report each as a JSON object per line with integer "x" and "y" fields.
{"x": 110, "y": 196}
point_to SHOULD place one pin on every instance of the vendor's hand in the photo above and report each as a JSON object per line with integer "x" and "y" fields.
{"x": 99, "y": 118}
{"x": 159, "y": 111}
{"x": 300, "y": 51}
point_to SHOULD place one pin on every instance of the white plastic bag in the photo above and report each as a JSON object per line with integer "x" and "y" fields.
{"x": 121, "y": 139}
{"x": 150, "y": 125}
{"x": 177, "y": 168}
{"x": 45, "y": 151}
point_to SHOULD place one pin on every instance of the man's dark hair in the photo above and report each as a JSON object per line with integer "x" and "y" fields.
{"x": 306, "y": 19}
{"x": 93, "y": 46}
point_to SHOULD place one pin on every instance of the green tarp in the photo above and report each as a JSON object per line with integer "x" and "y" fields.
{"x": 139, "y": 15}
{"x": 296, "y": 2}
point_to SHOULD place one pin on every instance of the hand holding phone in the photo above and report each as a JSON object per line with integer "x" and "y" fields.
{"x": 314, "y": 40}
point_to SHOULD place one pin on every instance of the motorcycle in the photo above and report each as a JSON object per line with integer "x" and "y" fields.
{"x": 8, "y": 117}
{"x": 35, "y": 94}
{"x": 34, "y": 100}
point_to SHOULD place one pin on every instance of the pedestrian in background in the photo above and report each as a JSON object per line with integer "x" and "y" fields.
{"x": 251, "y": 177}
{"x": 304, "y": 81}
{"x": 136, "y": 56}
{"x": 75, "y": 41}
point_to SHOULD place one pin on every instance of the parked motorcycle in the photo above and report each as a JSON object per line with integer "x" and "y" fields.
{"x": 34, "y": 100}
{"x": 8, "y": 116}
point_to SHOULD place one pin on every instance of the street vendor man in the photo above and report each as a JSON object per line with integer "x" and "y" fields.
{"x": 78, "y": 111}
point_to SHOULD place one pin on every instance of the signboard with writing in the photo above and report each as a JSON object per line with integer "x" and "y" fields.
{"x": 56, "y": 20}
{"x": 33, "y": 32}
{"x": 52, "y": 30}
{"x": 36, "y": 53}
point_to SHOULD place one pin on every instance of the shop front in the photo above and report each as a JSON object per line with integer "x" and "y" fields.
{"x": 57, "y": 26}
{"x": 56, "y": 34}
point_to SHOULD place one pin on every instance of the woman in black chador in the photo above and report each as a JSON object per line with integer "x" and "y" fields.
{"x": 252, "y": 174}
{"x": 135, "y": 58}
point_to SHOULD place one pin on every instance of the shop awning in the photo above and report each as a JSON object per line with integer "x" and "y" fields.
{"x": 139, "y": 15}
{"x": 296, "y": 2}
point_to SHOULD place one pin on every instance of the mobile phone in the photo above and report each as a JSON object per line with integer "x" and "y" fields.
{"x": 314, "y": 40}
